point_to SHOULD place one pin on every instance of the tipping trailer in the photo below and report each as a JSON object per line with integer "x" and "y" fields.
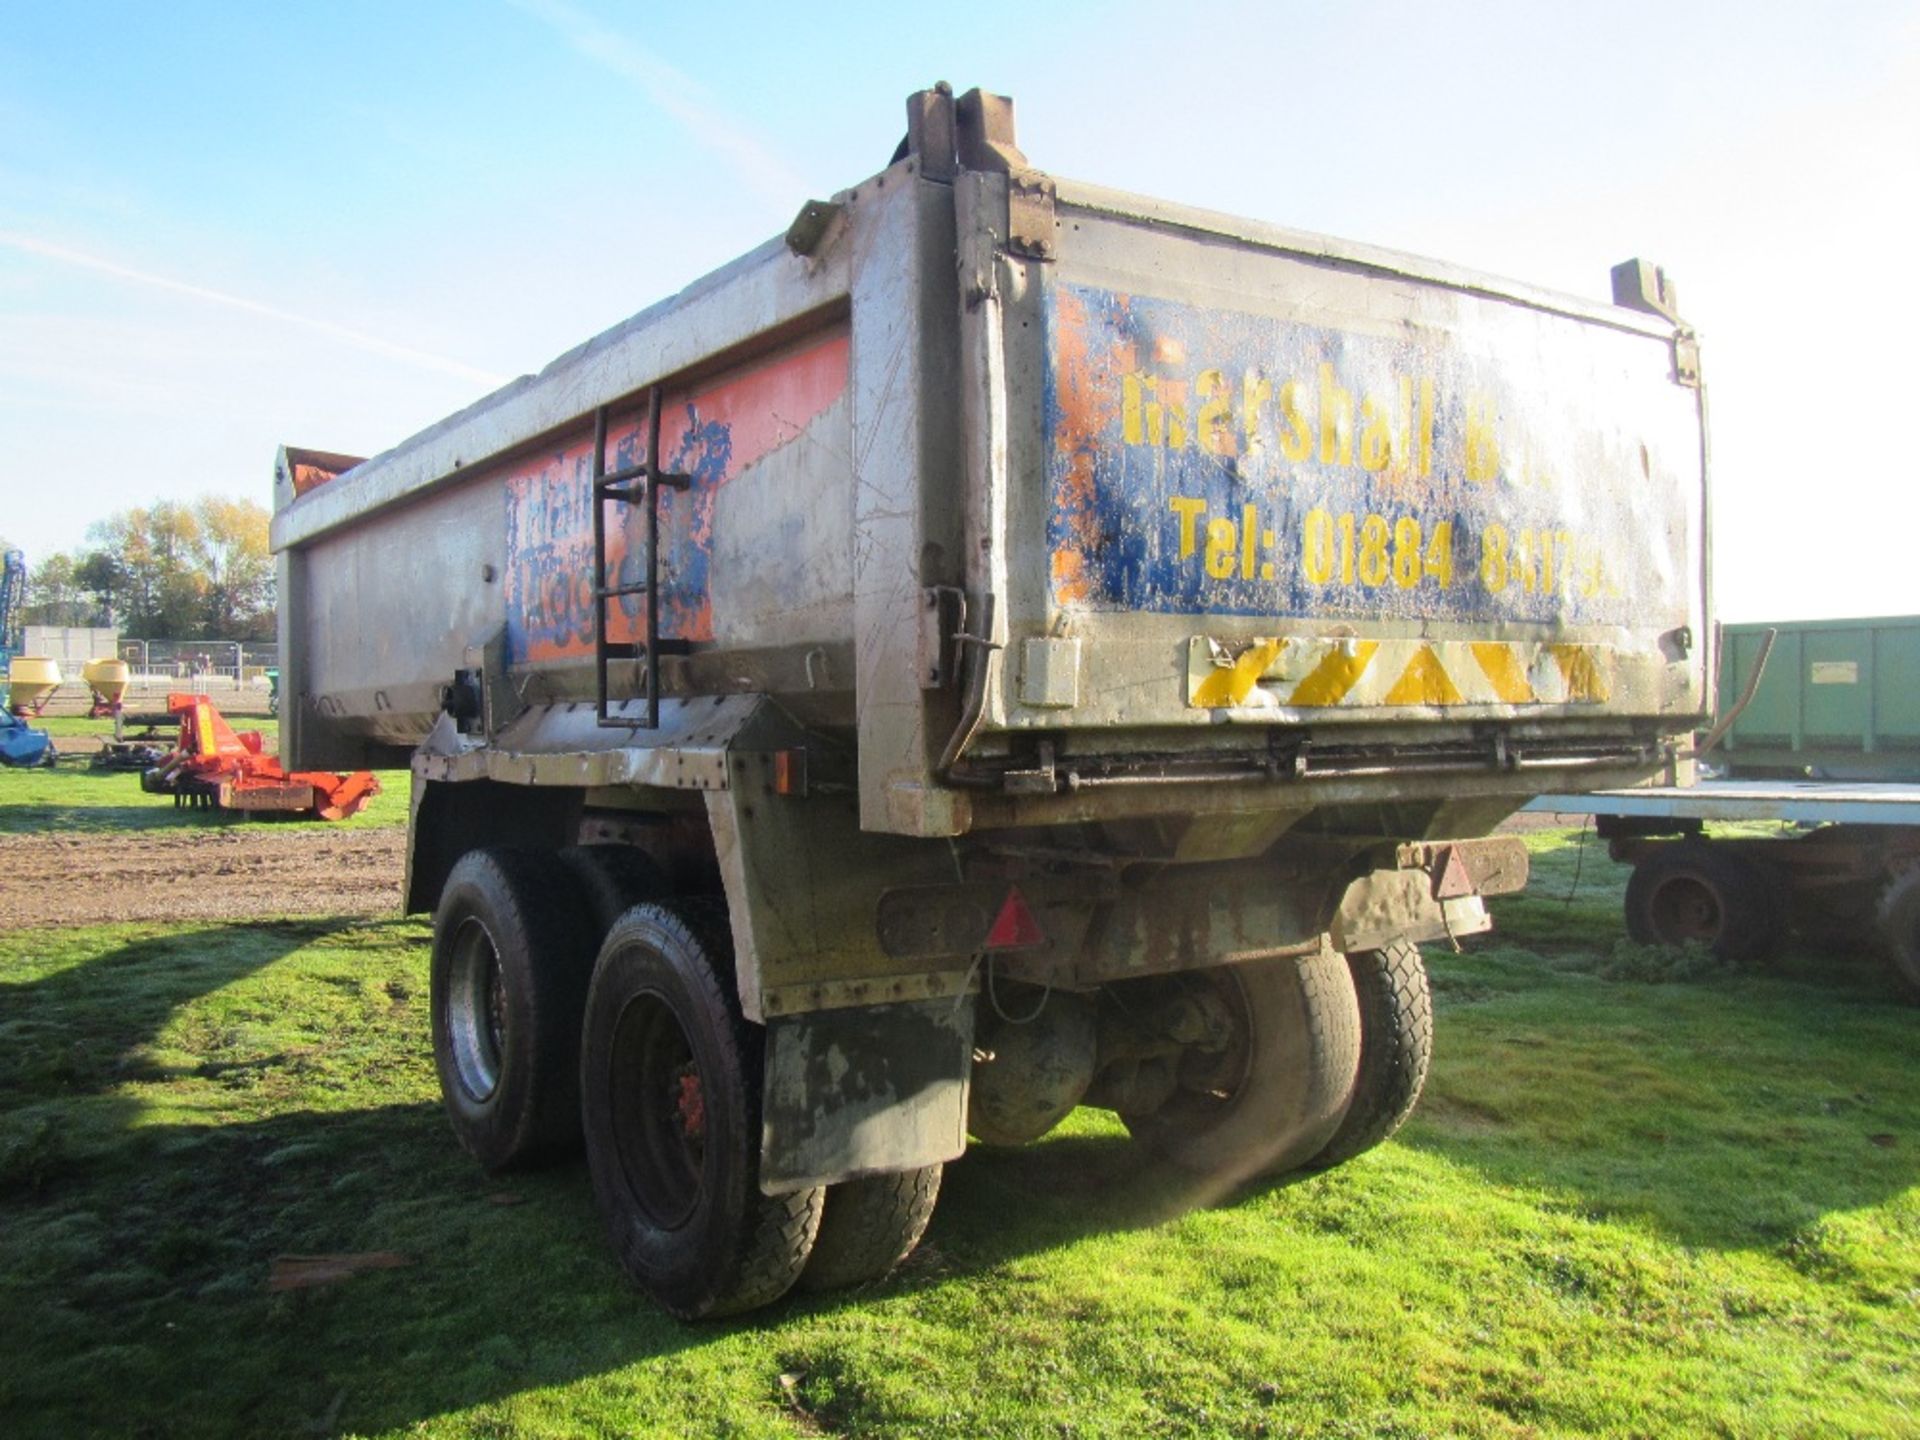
{"x": 1003, "y": 645}
{"x": 1822, "y": 733}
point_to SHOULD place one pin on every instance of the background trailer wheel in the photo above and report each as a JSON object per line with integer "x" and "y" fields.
{"x": 511, "y": 958}
{"x": 1687, "y": 890}
{"x": 670, "y": 1077}
{"x": 1396, "y": 1048}
{"x": 1275, "y": 1095}
{"x": 868, "y": 1226}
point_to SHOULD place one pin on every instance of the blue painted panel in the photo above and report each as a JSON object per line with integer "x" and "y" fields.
{"x": 1208, "y": 461}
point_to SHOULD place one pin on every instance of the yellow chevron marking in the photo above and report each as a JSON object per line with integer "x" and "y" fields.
{"x": 1231, "y": 684}
{"x": 1582, "y": 673}
{"x": 1501, "y": 665}
{"x": 1334, "y": 676}
{"x": 1424, "y": 682}
{"x": 1323, "y": 672}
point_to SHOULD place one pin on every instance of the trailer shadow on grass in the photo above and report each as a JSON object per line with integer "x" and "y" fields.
{"x": 144, "y": 1197}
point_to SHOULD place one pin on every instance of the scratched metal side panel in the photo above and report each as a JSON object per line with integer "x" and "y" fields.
{"x": 1247, "y": 456}
{"x": 386, "y": 613}
{"x": 755, "y": 551}
{"x": 396, "y": 572}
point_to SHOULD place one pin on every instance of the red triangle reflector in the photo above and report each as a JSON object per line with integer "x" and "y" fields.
{"x": 1015, "y": 928}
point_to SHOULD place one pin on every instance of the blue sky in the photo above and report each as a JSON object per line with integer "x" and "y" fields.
{"x": 225, "y": 226}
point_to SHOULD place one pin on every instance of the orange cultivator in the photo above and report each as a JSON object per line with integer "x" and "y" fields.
{"x": 214, "y": 765}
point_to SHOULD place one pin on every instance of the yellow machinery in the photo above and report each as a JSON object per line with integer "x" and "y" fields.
{"x": 31, "y": 681}
{"x": 107, "y": 677}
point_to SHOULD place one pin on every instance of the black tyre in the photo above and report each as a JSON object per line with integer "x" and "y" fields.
{"x": 1396, "y": 1048}
{"x": 614, "y": 878}
{"x": 868, "y": 1226}
{"x": 670, "y": 1077}
{"x": 1899, "y": 926}
{"x": 1689, "y": 891}
{"x": 1276, "y": 1096}
{"x": 511, "y": 960}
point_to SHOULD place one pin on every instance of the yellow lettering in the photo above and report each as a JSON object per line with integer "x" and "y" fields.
{"x": 1336, "y": 421}
{"x": 1439, "y": 562}
{"x": 1215, "y": 425}
{"x": 1483, "y": 450}
{"x": 1406, "y": 552}
{"x": 1137, "y": 410}
{"x": 1153, "y": 412}
{"x": 1189, "y": 508}
{"x": 1255, "y": 391}
{"x": 1249, "y": 535}
{"x": 1174, "y": 393}
{"x": 1296, "y": 441}
{"x": 1316, "y": 547}
{"x": 1376, "y": 435}
{"x": 1373, "y": 551}
{"x": 1222, "y": 543}
{"x": 1493, "y": 558}
{"x": 1403, "y": 437}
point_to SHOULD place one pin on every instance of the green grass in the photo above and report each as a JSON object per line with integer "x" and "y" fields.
{"x": 267, "y": 725}
{"x": 69, "y": 796}
{"x": 1683, "y": 1203}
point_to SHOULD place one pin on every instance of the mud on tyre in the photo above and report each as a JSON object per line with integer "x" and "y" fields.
{"x": 670, "y": 1102}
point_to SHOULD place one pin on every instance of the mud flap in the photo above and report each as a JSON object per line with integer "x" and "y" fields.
{"x": 864, "y": 1091}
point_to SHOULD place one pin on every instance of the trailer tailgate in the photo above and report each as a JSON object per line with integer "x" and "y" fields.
{"x": 1281, "y": 480}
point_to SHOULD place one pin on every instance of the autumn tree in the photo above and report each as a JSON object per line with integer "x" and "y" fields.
{"x": 230, "y": 553}
{"x": 174, "y": 571}
{"x": 55, "y": 594}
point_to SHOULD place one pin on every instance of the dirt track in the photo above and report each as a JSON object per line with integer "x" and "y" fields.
{"x": 237, "y": 873}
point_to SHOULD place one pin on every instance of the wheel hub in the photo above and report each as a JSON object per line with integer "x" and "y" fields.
{"x": 1686, "y": 909}
{"x": 658, "y": 1106}
{"x": 476, "y": 1011}
{"x": 691, "y": 1103}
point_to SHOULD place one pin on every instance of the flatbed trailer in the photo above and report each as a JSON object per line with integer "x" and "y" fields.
{"x": 1851, "y": 876}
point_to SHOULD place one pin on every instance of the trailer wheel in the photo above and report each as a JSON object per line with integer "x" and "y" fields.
{"x": 1899, "y": 926}
{"x": 508, "y": 983}
{"x": 1278, "y": 1093}
{"x": 614, "y": 879}
{"x": 868, "y": 1226}
{"x": 670, "y": 1083}
{"x": 1688, "y": 891}
{"x": 1396, "y": 1047}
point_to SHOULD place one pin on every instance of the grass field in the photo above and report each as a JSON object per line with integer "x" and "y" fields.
{"x": 70, "y": 726}
{"x": 70, "y": 796}
{"x": 1643, "y": 1196}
